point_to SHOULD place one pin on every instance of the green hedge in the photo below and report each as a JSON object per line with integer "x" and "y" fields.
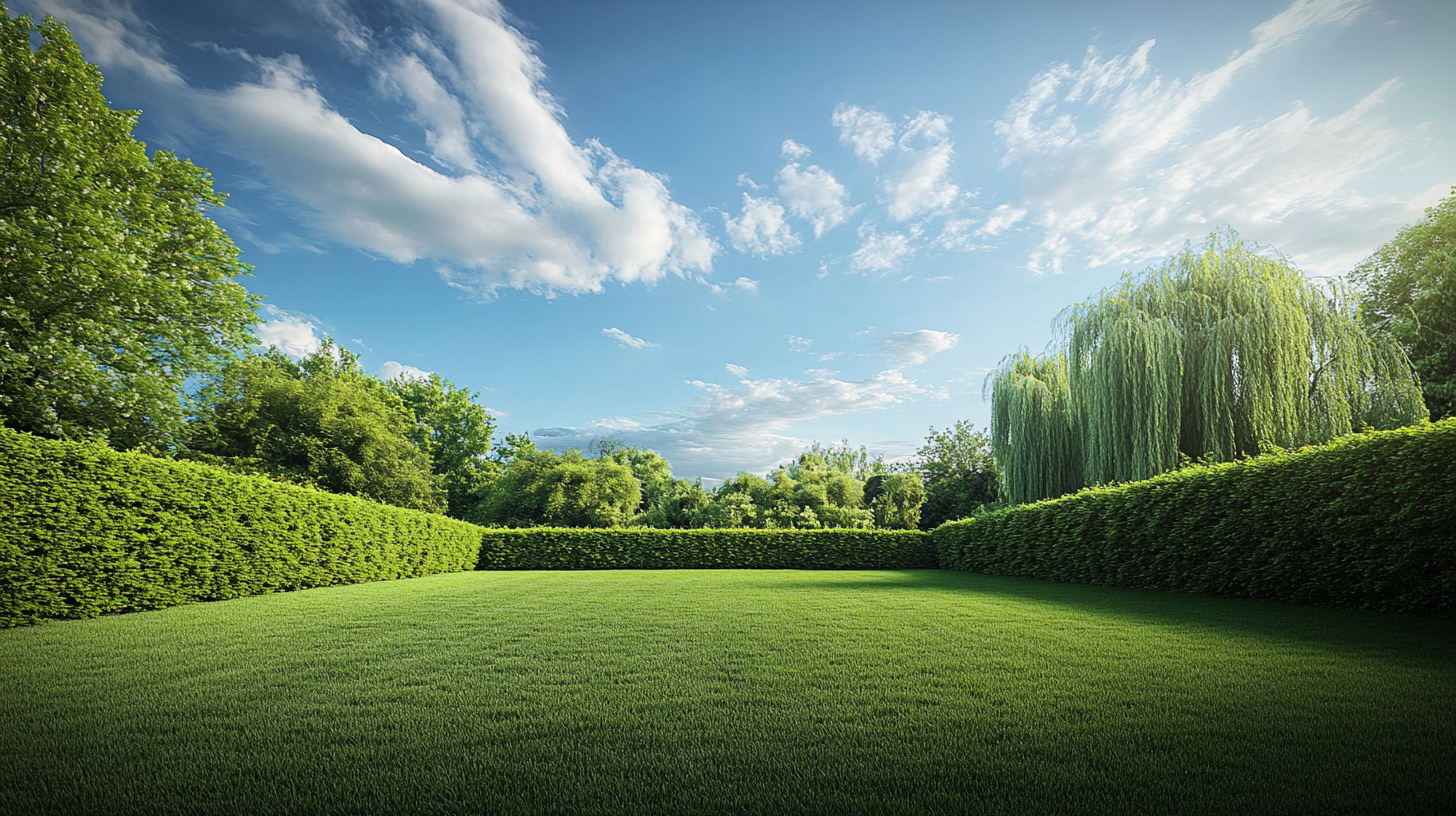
{"x": 550, "y": 548}
{"x": 1367, "y": 522}
{"x": 85, "y": 530}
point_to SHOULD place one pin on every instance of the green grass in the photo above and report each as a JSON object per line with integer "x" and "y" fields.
{"x": 729, "y": 692}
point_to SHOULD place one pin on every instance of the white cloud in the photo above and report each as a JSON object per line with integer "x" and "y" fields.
{"x": 746, "y": 284}
{"x": 797, "y": 343}
{"x": 737, "y": 370}
{"x": 870, "y": 133}
{"x": 292, "y": 333}
{"x": 745, "y": 181}
{"x": 627, "y": 340}
{"x": 1119, "y": 168}
{"x": 914, "y": 348}
{"x": 880, "y": 251}
{"x": 1002, "y": 218}
{"x": 793, "y": 150}
{"x": 761, "y": 230}
{"x": 814, "y": 195}
{"x": 393, "y": 369}
{"x": 920, "y": 182}
{"x": 543, "y": 214}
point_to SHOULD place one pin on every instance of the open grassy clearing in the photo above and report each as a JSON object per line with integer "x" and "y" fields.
{"x": 729, "y": 692}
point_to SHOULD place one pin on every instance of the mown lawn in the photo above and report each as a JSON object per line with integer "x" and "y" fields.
{"x": 729, "y": 692}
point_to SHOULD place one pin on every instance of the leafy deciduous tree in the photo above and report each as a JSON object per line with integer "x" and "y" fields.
{"x": 455, "y": 431}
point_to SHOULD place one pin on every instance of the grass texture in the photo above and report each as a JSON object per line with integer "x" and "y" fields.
{"x": 729, "y": 692}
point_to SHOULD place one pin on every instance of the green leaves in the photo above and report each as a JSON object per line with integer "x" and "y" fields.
{"x": 115, "y": 287}
{"x": 1364, "y": 522}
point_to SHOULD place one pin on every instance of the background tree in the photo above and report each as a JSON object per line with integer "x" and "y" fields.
{"x": 959, "y": 471}
{"x": 115, "y": 287}
{"x": 895, "y": 500}
{"x": 455, "y": 431}
{"x": 321, "y": 421}
{"x": 1219, "y": 353}
{"x": 544, "y": 488}
{"x": 1408, "y": 290}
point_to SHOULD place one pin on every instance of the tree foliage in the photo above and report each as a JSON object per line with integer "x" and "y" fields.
{"x": 959, "y": 471}
{"x": 543, "y": 488}
{"x": 1219, "y": 353}
{"x": 115, "y": 286}
{"x": 1408, "y": 290}
{"x": 455, "y": 432}
{"x": 321, "y": 421}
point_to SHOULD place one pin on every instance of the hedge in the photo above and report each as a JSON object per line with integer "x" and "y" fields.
{"x": 550, "y": 548}
{"x": 85, "y": 530}
{"x": 1367, "y": 522}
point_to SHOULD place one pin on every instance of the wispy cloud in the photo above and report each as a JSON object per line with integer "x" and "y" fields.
{"x": 514, "y": 203}
{"x": 868, "y": 132}
{"x": 1117, "y": 170}
{"x": 880, "y": 251}
{"x": 396, "y": 370}
{"x": 761, "y": 229}
{"x": 914, "y": 348}
{"x": 797, "y": 343}
{"x": 627, "y": 340}
{"x": 793, "y": 150}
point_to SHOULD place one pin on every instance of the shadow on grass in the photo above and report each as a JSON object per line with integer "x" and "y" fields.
{"x": 1406, "y": 637}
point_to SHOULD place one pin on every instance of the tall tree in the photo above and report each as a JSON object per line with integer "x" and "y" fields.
{"x": 321, "y": 421}
{"x": 544, "y": 488}
{"x": 1221, "y": 352}
{"x": 454, "y": 431}
{"x": 959, "y": 471}
{"x": 115, "y": 286}
{"x": 1408, "y": 290}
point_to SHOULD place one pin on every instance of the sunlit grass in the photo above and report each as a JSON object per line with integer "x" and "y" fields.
{"x": 729, "y": 692}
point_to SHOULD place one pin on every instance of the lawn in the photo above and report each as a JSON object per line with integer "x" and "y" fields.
{"x": 729, "y": 691}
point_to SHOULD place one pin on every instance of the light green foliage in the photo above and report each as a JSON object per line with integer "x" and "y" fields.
{"x": 1364, "y": 522}
{"x": 115, "y": 287}
{"x": 960, "y": 473}
{"x": 1408, "y": 290}
{"x": 455, "y": 432}
{"x": 86, "y": 531}
{"x": 321, "y": 421}
{"x": 544, "y": 488}
{"x": 1219, "y": 353}
{"x": 822, "y": 488}
{"x": 897, "y": 500}
{"x": 1034, "y": 436}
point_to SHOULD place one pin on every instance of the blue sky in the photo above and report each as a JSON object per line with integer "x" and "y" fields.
{"x": 725, "y": 231}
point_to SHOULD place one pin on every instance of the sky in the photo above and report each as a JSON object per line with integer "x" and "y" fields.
{"x": 725, "y": 231}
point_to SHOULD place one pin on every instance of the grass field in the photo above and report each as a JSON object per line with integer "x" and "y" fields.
{"x": 729, "y": 692}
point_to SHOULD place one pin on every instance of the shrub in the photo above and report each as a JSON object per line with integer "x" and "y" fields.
{"x": 546, "y": 548}
{"x": 85, "y": 530}
{"x": 1366, "y": 522}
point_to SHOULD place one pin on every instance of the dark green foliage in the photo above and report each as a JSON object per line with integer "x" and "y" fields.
{"x": 455, "y": 432}
{"x": 85, "y": 530}
{"x": 1365, "y": 522}
{"x": 960, "y": 474}
{"x": 545, "y": 548}
{"x": 957, "y": 497}
{"x": 115, "y": 287}
{"x": 1408, "y": 290}
{"x": 322, "y": 422}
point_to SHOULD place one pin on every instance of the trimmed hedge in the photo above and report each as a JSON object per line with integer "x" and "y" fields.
{"x": 552, "y": 548}
{"x": 85, "y": 530}
{"x": 1366, "y": 522}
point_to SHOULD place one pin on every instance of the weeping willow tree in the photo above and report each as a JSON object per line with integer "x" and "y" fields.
{"x": 1219, "y": 353}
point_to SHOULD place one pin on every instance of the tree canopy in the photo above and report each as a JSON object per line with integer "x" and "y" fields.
{"x": 1408, "y": 290}
{"x": 455, "y": 432}
{"x": 545, "y": 488}
{"x": 115, "y": 286}
{"x": 960, "y": 473}
{"x": 1220, "y": 352}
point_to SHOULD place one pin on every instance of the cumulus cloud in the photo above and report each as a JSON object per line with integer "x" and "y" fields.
{"x": 515, "y": 202}
{"x": 914, "y": 348}
{"x": 293, "y": 333}
{"x": 880, "y": 251}
{"x": 627, "y": 340}
{"x": 761, "y": 229}
{"x": 1118, "y": 168}
{"x": 396, "y": 370}
{"x": 814, "y": 195}
{"x": 869, "y": 133}
{"x": 921, "y": 183}
{"x": 793, "y": 150}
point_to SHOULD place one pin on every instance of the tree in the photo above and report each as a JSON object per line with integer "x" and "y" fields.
{"x": 1408, "y": 291}
{"x": 321, "y": 421}
{"x": 455, "y": 432}
{"x": 959, "y": 471}
{"x": 895, "y": 500}
{"x": 544, "y": 488}
{"x": 1219, "y": 353}
{"x": 115, "y": 287}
